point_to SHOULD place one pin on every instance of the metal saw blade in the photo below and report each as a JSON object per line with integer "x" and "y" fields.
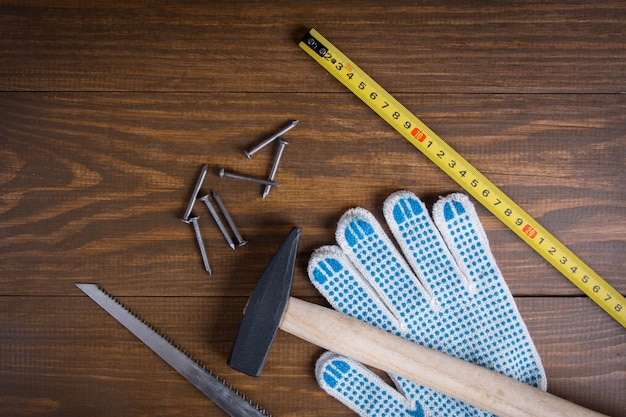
{"x": 215, "y": 388}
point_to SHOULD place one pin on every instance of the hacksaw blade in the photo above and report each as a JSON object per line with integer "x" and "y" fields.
{"x": 215, "y": 388}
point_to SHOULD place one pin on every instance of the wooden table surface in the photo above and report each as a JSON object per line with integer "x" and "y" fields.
{"x": 108, "y": 110}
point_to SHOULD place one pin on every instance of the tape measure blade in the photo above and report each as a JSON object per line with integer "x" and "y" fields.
{"x": 529, "y": 230}
{"x": 466, "y": 175}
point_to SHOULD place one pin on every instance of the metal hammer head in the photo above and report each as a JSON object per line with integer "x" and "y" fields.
{"x": 265, "y": 310}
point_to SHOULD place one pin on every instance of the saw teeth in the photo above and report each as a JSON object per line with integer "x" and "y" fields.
{"x": 88, "y": 289}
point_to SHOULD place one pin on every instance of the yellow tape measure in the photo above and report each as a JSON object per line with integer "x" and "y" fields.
{"x": 453, "y": 164}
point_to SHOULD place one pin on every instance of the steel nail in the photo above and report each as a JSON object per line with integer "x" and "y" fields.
{"x": 224, "y": 173}
{"x": 231, "y": 223}
{"x": 196, "y": 229}
{"x": 279, "y": 154}
{"x": 219, "y": 223}
{"x": 196, "y": 190}
{"x": 271, "y": 138}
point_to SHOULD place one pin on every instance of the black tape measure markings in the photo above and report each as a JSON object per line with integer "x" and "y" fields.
{"x": 468, "y": 177}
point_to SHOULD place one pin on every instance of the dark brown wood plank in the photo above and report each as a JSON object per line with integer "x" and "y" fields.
{"x": 449, "y": 46}
{"x": 108, "y": 111}
{"x": 65, "y": 356}
{"x": 94, "y": 184}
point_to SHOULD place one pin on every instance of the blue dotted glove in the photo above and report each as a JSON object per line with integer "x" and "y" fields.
{"x": 446, "y": 293}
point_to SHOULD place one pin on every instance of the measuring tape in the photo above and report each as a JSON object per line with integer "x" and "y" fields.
{"x": 468, "y": 177}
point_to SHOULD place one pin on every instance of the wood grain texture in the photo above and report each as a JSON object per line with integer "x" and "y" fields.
{"x": 108, "y": 110}
{"x": 532, "y": 46}
{"x": 80, "y": 361}
{"x": 94, "y": 183}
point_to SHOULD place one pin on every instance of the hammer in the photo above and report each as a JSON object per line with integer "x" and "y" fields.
{"x": 270, "y": 307}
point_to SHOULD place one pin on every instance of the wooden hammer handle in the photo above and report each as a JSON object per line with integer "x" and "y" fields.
{"x": 473, "y": 384}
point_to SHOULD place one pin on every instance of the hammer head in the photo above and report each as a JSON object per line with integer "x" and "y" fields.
{"x": 265, "y": 310}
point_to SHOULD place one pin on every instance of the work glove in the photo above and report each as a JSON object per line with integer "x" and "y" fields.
{"x": 446, "y": 293}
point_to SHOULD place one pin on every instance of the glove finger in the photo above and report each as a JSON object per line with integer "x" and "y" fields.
{"x": 367, "y": 394}
{"x": 497, "y": 318}
{"x": 334, "y": 276}
{"x": 424, "y": 248}
{"x": 360, "y": 389}
{"x": 464, "y": 235}
{"x": 422, "y": 318}
{"x": 363, "y": 241}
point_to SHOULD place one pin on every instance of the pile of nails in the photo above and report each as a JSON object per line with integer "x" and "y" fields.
{"x": 269, "y": 183}
{"x": 193, "y": 220}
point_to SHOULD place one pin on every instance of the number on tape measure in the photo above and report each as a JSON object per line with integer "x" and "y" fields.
{"x": 468, "y": 177}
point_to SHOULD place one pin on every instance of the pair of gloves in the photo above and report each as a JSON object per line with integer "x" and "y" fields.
{"x": 445, "y": 293}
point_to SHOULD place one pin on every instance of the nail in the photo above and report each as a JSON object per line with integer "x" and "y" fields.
{"x": 270, "y": 139}
{"x": 226, "y": 174}
{"x": 231, "y": 223}
{"x": 279, "y": 154}
{"x": 219, "y": 223}
{"x": 196, "y": 229}
{"x": 196, "y": 190}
